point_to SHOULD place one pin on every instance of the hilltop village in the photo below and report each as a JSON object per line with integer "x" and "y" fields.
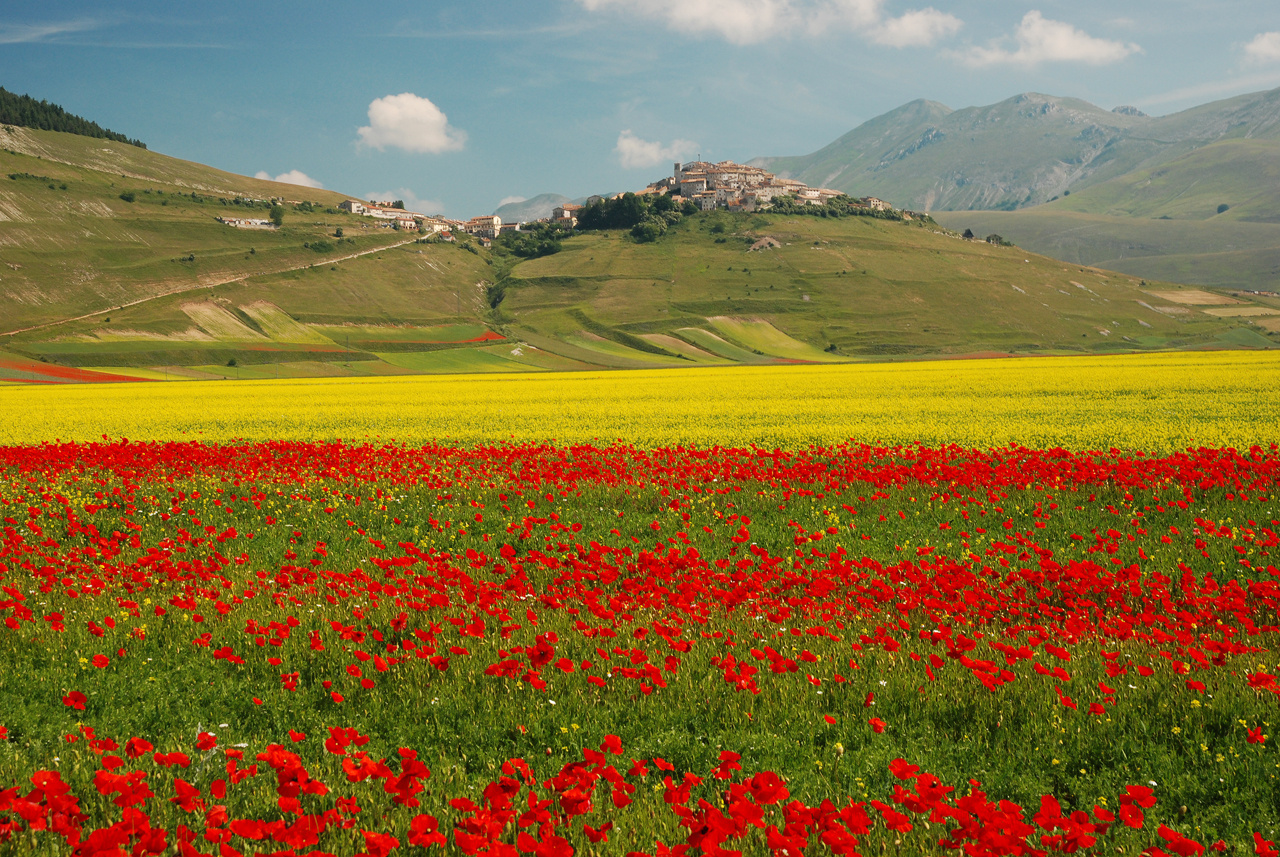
{"x": 709, "y": 186}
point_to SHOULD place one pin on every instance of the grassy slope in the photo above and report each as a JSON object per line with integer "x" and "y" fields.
{"x": 862, "y": 286}
{"x": 72, "y": 245}
{"x": 1163, "y": 223}
{"x": 836, "y": 290}
{"x": 1243, "y": 174}
{"x": 1222, "y": 253}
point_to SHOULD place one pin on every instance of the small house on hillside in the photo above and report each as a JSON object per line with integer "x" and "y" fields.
{"x": 484, "y": 226}
{"x": 567, "y": 214}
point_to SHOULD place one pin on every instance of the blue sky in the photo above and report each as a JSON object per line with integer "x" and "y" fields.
{"x": 456, "y": 107}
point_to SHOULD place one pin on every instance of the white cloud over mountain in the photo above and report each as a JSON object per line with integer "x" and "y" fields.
{"x": 635, "y": 153}
{"x": 1039, "y": 39}
{"x": 748, "y": 22}
{"x": 921, "y": 28}
{"x": 412, "y": 123}
{"x": 297, "y": 177}
{"x": 411, "y": 200}
{"x": 1265, "y": 48}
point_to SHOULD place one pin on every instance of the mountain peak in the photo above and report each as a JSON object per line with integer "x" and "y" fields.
{"x": 1027, "y": 149}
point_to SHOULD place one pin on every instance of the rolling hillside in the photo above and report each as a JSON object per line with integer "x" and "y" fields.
{"x": 1210, "y": 217}
{"x": 854, "y": 288}
{"x": 113, "y": 265}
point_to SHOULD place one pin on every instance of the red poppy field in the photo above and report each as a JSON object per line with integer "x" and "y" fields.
{"x": 298, "y": 648}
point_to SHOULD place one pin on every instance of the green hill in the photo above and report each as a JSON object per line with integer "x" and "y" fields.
{"x": 1234, "y": 180}
{"x": 1209, "y": 217}
{"x": 114, "y": 264}
{"x": 835, "y": 289}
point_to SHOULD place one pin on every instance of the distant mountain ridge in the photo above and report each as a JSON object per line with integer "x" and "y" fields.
{"x": 1020, "y": 152}
{"x": 530, "y": 209}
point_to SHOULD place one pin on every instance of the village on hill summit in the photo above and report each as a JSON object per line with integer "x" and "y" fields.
{"x": 708, "y": 186}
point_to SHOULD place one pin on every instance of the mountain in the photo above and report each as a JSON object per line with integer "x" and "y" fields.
{"x": 538, "y": 208}
{"x": 1113, "y": 189}
{"x": 116, "y": 262}
{"x": 1020, "y": 152}
{"x": 530, "y": 209}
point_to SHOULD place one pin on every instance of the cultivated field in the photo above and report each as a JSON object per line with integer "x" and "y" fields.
{"x": 232, "y": 634}
{"x": 1159, "y": 402}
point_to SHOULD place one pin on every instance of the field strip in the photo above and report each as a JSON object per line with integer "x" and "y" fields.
{"x": 1241, "y": 312}
{"x": 205, "y": 285}
{"x": 1157, "y": 402}
{"x": 1192, "y": 297}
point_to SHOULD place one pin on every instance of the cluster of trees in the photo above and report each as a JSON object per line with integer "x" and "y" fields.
{"x": 840, "y": 206}
{"x": 647, "y": 217}
{"x": 536, "y": 240}
{"x": 25, "y": 111}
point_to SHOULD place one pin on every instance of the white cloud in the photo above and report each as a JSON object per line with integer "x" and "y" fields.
{"x": 1040, "y": 39}
{"x": 410, "y": 122}
{"x": 412, "y": 201}
{"x": 12, "y": 34}
{"x": 1265, "y": 48}
{"x": 747, "y": 22}
{"x": 508, "y": 200}
{"x": 634, "y": 153}
{"x": 921, "y": 28}
{"x": 297, "y": 177}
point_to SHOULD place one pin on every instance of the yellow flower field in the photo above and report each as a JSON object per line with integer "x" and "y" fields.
{"x": 1155, "y": 402}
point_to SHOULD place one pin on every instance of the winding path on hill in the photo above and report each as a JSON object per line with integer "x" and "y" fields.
{"x": 206, "y": 285}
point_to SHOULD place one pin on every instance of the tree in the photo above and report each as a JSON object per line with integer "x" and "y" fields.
{"x": 1223, "y": 207}
{"x": 277, "y": 215}
{"x": 26, "y": 111}
{"x": 648, "y": 230}
{"x": 540, "y": 239}
{"x": 337, "y": 233}
{"x": 968, "y": 233}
